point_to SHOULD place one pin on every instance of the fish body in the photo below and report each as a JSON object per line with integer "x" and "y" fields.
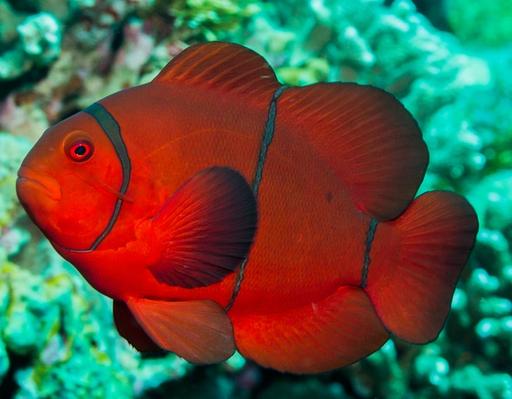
{"x": 279, "y": 221}
{"x": 287, "y": 221}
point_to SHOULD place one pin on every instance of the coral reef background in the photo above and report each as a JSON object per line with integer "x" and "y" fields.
{"x": 449, "y": 61}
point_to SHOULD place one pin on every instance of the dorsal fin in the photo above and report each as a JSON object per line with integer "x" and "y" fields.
{"x": 367, "y": 138}
{"x": 225, "y": 67}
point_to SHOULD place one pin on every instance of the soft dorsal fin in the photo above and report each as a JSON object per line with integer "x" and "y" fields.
{"x": 365, "y": 135}
{"x": 225, "y": 67}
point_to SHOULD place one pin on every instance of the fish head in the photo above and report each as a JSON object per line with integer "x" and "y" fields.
{"x": 69, "y": 182}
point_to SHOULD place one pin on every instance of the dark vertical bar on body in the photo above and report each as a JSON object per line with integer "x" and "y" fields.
{"x": 268, "y": 135}
{"x": 370, "y": 235}
{"x": 111, "y": 128}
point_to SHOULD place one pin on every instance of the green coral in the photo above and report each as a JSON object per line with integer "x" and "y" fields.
{"x": 483, "y": 22}
{"x": 4, "y": 361}
{"x": 37, "y": 42}
{"x": 46, "y": 318}
{"x": 12, "y": 153}
{"x": 40, "y": 37}
{"x": 309, "y": 388}
{"x": 4, "y": 358}
{"x": 209, "y": 18}
{"x": 66, "y": 329}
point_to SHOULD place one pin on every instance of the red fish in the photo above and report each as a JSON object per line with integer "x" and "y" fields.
{"x": 222, "y": 210}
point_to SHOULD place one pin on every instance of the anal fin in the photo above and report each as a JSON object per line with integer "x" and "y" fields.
{"x": 314, "y": 338}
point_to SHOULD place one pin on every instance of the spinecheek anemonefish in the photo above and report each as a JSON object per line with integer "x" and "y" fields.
{"x": 221, "y": 210}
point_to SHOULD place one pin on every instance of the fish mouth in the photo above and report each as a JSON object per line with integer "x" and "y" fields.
{"x": 31, "y": 179}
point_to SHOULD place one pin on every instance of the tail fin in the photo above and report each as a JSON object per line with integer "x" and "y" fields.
{"x": 416, "y": 262}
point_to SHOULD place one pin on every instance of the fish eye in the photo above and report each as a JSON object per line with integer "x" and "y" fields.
{"x": 80, "y": 150}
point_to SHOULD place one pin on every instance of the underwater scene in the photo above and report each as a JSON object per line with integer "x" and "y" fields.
{"x": 434, "y": 321}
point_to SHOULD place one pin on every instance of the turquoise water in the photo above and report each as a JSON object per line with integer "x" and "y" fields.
{"x": 448, "y": 61}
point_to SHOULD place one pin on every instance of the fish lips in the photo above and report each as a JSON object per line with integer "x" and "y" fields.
{"x": 33, "y": 185}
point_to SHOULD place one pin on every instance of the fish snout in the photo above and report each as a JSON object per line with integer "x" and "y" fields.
{"x": 32, "y": 183}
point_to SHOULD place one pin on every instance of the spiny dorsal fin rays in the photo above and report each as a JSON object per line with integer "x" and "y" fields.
{"x": 226, "y": 67}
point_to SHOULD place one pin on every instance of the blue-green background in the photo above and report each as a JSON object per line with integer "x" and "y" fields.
{"x": 448, "y": 61}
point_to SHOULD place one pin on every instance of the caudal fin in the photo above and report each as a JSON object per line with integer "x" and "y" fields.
{"x": 416, "y": 262}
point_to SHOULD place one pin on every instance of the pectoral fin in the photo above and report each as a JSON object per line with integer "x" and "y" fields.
{"x": 205, "y": 229}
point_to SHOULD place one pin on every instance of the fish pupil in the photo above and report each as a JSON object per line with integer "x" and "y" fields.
{"x": 80, "y": 150}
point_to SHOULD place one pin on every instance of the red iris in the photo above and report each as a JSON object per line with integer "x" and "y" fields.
{"x": 80, "y": 150}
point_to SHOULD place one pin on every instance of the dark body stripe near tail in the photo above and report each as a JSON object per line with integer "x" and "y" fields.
{"x": 370, "y": 236}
